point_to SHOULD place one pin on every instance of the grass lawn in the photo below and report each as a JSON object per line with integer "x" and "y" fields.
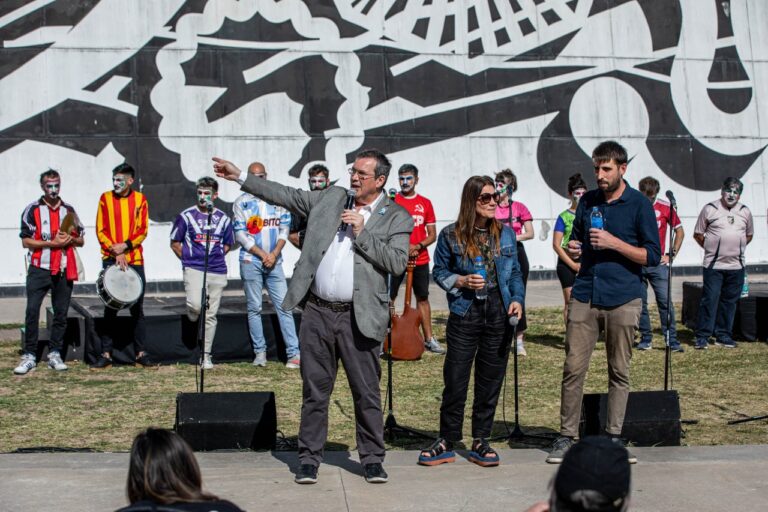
{"x": 104, "y": 410}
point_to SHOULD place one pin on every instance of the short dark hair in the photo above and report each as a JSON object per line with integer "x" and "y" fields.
{"x": 163, "y": 469}
{"x": 576, "y": 182}
{"x": 408, "y": 168}
{"x": 383, "y": 165}
{"x": 509, "y": 177}
{"x": 49, "y": 174}
{"x": 730, "y": 181}
{"x": 649, "y": 186}
{"x": 124, "y": 169}
{"x": 609, "y": 150}
{"x": 318, "y": 169}
{"x": 207, "y": 182}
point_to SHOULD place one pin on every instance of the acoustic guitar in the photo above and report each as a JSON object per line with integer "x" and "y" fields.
{"x": 407, "y": 341}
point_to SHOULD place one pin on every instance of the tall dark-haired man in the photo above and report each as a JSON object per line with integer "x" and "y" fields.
{"x": 122, "y": 221}
{"x": 723, "y": 230}
{"x": 52, "y": 266}
{"x": 608, "y": 290}
{"x": 658, "y": 276}
{"x": 423, "y": 235}
{"x": 318, "y": 180}
{"x": 340, "y": 279}
{"x": 189, "y": 234}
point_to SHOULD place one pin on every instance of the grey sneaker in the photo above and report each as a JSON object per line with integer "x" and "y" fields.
{"x": 619, "y": 441}
{"x": 207, "y": 363}
{"x": 26, "y": 365}
{"x": 294, "y": 362}
{"x": 55, "y": 362}
{"x": 260, "y": 359}
{"x": 561, "y": 445}
{"x": 434, "y": 346}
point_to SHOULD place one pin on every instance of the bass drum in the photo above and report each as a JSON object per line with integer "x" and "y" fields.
{"x": 119, "y": 289}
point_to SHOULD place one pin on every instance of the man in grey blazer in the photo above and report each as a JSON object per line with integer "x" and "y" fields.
{"x": 341, "y": 281}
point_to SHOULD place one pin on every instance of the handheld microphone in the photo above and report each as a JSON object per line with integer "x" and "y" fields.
{"x": 513, "y": 320}
{"x": 209, "y": 207}
{"x": 392, "y": 193}
{"x": 348, "y": 206}
{"x": 671, "y": 198}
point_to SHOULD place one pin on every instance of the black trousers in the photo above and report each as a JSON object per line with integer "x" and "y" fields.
{"x": 137, "y": 317}
{"x": 482, "y": 336}
{"x": 325, "y": 337}
{"x": 39, "y": 281}
{"x": 525, "y": 268}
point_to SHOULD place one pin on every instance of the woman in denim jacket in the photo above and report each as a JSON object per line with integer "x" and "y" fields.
{"x": 478, "y": 329}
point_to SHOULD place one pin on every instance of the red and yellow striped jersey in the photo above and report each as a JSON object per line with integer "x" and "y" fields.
{"x": 122, "y": 219}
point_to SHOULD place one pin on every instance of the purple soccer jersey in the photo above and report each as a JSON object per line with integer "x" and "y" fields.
{"x": 189, "y": 229}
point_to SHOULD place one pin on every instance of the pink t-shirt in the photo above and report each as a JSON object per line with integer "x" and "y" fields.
{"x": 520, "y": 215}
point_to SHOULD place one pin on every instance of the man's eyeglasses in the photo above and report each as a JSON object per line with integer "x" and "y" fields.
{"x": 486, "y": 198}
{"x": 362, "y": 177}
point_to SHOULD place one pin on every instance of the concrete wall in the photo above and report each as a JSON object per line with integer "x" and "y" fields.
{"x": 456, "y": 88}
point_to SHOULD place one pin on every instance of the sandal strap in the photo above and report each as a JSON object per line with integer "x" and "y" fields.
{"x": 483, "y": 449}
{"x": 439, "y": 447}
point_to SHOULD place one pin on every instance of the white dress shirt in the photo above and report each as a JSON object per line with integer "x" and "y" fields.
{"x": 334, "y": 278}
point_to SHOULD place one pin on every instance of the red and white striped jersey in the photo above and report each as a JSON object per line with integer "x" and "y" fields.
{"x": 41, "y": 222}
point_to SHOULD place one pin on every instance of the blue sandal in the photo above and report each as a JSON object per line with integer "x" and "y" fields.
{"x": 482, "y": 454}
{"x": 440, "y": 452}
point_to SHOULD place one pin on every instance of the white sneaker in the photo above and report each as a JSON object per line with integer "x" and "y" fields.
{"x": 294, "y": 362}
{"x": 260, "y": 359}
{"x": 521, "y": 349}
{"x": 26, "y": 365}
{"x": 434, "y": 346}
{"x": 55, "y": 362}
{"x": 207, "y": 363}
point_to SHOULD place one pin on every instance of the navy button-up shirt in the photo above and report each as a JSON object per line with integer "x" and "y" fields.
{"x": 607, "y": 278}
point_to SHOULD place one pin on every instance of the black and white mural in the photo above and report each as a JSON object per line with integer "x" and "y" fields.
{"x": 454, "y": 87}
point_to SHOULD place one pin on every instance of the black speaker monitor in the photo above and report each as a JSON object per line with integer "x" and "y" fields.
{"x": 227, "y": 421}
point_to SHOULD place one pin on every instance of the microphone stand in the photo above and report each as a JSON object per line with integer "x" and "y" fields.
{"x": 391, "y": 428}
{"x": 204, "y": 301}
{"x": 668, "y": 330}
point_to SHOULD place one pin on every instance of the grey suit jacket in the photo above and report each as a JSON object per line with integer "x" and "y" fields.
{"x": 380, "y": 249}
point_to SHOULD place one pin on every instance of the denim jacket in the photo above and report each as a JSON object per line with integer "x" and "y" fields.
{"x": 449, "y": 265}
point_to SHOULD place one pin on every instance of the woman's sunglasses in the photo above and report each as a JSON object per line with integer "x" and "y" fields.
{"x": 486, "y": 198}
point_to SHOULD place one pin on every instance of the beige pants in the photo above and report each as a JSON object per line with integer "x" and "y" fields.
{"x": 193, "y": 285}
{"x": 584, "y": 324}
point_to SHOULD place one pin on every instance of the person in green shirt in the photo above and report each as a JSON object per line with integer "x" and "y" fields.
{"x": 567, "y": 267}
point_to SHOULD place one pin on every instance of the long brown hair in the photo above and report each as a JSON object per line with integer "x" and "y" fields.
{"x": 163, "y": 469}
{"x": 465, "y": 224}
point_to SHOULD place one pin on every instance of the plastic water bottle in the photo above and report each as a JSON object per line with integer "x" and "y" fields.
{"x": 596, "y": 220}
{"x": 745, "y": 287}
{"x": 479, "y": 269}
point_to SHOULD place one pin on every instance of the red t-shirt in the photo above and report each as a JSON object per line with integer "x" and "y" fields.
{"x": 663, "y": 215}
{"x": 423, "y": 215}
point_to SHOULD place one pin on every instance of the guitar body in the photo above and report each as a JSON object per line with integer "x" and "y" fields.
{"x": 407, "y": 341}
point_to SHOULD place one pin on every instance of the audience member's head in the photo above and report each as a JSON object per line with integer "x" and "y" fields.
{"x": 594, "y": 477}
{"x": 163, "y": 470}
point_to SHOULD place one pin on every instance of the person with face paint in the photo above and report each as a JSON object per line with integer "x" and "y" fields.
{"x": 52, "y": 266}
{"x": 188, "y": 240}
{"x": 262, "y": 229}
{"x": 607, "y": 293}
{"x": 658, "y": 276}
{"x": 515, "y": 215}
{"x": 318, "y": 180}
{"x": 424, "y": 234}
{"x": 122, "y": 221}
{"x": 723, "y": 230}
{"x": 567, "y": 267}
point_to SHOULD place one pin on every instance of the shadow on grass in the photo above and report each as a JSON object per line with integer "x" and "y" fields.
{"x": 547, "y": 340}
{"x": 529, "y": 436}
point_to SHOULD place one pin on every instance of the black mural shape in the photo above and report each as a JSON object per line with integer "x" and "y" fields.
{"x": 310, "y": 82}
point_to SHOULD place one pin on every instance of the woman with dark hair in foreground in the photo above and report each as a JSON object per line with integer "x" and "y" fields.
{"x": 163, "y": 475}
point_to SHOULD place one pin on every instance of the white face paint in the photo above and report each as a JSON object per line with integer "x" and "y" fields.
{"x": 730, "y": 196}
{"x": 317, "y": 183}
{"x": 577, "y": 194}
{"x": 407, "y": 182}
{"x": 119, "y": 184}
{"x": 52, "y": 188}
{"x": 204, "y": 197}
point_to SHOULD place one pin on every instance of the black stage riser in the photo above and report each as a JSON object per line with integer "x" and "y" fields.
{"x": 652, "y": 417}
{"x": 227, "y": 421}
{"x": 751, "y": 320}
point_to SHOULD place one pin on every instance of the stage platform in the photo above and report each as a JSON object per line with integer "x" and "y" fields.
{"x": 171, "y": 337}
{"x": 751, "y": 321}
{"x": 681, "y": 479}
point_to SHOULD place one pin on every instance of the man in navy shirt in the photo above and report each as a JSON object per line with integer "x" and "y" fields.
{"x": 188, "y": 237}
{"x": 608, "y": 290}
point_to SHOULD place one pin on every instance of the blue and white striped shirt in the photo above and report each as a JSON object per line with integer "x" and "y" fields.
{"x": 259, "y": 223}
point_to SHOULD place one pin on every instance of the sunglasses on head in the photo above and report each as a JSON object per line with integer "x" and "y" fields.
{"x": 486, "y": 198}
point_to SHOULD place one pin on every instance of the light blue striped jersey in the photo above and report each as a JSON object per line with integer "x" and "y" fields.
{"x": 259, "y": 223}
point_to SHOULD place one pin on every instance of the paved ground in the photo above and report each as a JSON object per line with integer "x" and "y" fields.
{"x": 666, "y": 479}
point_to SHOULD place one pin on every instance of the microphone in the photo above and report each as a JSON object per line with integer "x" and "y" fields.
{"x": 209, "y": 207}
{"x": 392, "y": 193}
{"x": 671, "y": 198}
{"x": 348, "y": 206}
{"x": 513, "y": 320}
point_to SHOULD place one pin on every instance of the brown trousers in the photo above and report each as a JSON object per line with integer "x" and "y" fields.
{"x": 585, "y": 322}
